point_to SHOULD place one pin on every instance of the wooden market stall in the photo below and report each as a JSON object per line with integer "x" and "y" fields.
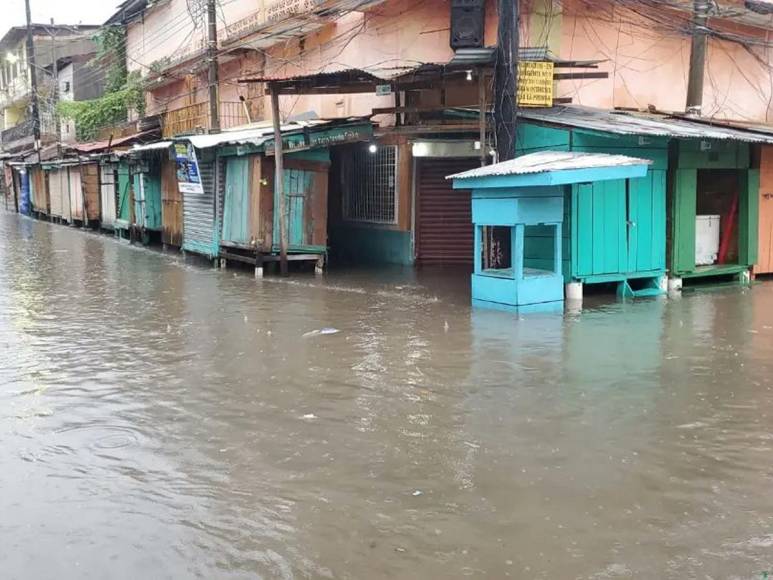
{"x": 518, "y": 214}
{"x": 230, "y": 211}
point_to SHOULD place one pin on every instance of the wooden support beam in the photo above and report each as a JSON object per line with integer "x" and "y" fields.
{"x": 580, "y": 76}
{"x": 279, "y": 183}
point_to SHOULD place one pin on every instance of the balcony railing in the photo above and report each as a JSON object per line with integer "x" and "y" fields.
{"x": 23, "y": 133}
{"x": 195, "y": 118}
{"x": 18, "y": 132}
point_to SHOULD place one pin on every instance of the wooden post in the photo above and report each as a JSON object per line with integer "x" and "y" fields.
{"x": 279, "y": 180}
{"x": 482, "y": 121}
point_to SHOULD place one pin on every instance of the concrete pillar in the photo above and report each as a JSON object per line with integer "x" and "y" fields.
{"x": 745, "y": 277}
{"x": 223, "y": 263}
{"x": 259, "y": 271}
{"x": 674, "y": 285}
{"x": 574, "y": 291}
{"x": 319, "y": 267}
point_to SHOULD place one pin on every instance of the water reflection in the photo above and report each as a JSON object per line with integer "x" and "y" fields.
{"x": 168, "y": 420}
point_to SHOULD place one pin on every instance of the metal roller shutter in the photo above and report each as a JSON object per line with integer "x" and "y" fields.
{"x": 444, "y": 215}
{"x": 199, "y": 214}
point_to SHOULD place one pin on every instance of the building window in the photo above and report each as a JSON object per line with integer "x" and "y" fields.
{"x": 370, "y": 185}
{"x": 66, "y": 87}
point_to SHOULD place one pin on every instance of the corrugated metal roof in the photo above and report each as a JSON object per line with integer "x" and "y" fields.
{"x": 633, "y": 123}
{"x": 256, "y": 134}
{"x": 546, "y": 161}
{"x": 159, "y": 145}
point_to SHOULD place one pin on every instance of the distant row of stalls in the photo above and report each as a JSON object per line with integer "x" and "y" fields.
{"x": 357, "y": 191}
{"x": 211, "y": 195}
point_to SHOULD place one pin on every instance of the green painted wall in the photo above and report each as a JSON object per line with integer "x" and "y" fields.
{"x": 369, "y": 245}
{"x": 612, "y": 229}
{"x": 690, "y": 157}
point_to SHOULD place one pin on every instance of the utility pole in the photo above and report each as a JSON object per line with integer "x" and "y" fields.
{"x": 33, "y": 79}
{"x": 279, "y": 189}
{"x": 214, "y": 102}
{"x": 697, "y": 57}
{"x": 506, "y": 79}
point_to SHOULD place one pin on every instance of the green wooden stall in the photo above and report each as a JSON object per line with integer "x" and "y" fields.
{"x": 614, "y": 231}
{"x": 124, "y": 209}
{"x": 147, "y": 193}
{"x": 700, "y": 167}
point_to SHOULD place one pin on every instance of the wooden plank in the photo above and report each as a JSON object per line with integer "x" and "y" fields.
{"x": 404, "y": 186}
{"x": 635, "y": 225}
{"x": 266, "y": 204}
{"x": 597, "y": 229}
{"x": 684, "y": 212}
{"x": 748, "y": 216}
{"x": 583, "y": 230}
{"x": 319, "y": 208}
{"x": 306, "y": 164}
{"x": 765, "y": 205}
{"x": 580, "y": 75}
{"x": 659, "y": 180}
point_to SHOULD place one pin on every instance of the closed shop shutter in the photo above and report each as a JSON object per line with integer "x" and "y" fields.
{"x": 444, "y": 215}
{"x": 199, "y": 215}
{"x": 108, "y": 195}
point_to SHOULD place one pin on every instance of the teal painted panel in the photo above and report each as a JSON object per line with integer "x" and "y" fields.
{"x": 236, "y": 210}
{"x": 370, "y": 245}
{"x": 124, "y": 186}
{"x": 647, "y": 223}
{"x": 683, "y": 226}
{"x": 139, "y": 200}
{"x": 297, "y": 188}
{"x": 152, "y": 183}
{"x": 659, "y": 185}
{"x": 582, "y": 228}
{"x": 599, "y": 228}
{"x": 531, "y": 137}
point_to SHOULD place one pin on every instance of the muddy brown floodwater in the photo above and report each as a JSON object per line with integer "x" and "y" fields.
{"x": 161, "y": 419}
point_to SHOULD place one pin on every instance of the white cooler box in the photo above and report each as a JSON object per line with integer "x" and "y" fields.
{"x": 706, "y": 239}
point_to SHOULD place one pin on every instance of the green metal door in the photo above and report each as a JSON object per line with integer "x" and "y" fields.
{"x": 647, "y": 222}
{"x": 599, "y": 228}
{"x": 236, "y": 211}
{"x": 297, "y": 186}
{"x": 683, "y": 221}
{"x": 124, "y": 186}
{"x": 139, "y": 200}
{"x": 152, "y": 186}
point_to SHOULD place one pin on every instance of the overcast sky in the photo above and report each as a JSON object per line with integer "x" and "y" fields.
{"x": 62, "y": 11}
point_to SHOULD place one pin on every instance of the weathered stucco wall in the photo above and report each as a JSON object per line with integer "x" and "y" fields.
{"x": 648, "y": 63}
{"x": 647, "y": 56}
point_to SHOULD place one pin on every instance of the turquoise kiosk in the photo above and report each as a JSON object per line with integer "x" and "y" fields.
{"x": 518, "y": 214}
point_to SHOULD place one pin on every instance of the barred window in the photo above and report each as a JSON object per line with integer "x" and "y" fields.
{"x": 370, "y": 185}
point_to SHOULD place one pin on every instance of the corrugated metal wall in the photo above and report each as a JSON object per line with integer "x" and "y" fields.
{"x": 39, "y": 190}
{"x": 59, "y": 190}
{"x": 443, "y": 215}
{"x": 76, "y": 193}
{"x": 108, "y": 194}
{"x": 199, "y": 214}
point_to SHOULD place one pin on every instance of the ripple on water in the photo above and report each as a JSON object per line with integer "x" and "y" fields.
{"x": 100, "y": 436}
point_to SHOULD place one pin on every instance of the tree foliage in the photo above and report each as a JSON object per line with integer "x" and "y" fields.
{"x": 124, "y": 91}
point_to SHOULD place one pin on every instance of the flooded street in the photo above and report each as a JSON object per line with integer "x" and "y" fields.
{"x": 162, "y": 419}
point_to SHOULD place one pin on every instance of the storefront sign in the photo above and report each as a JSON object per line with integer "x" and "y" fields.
{"x": 535, "y": 84}
{"x": 317, "y": 139}
{"x": 188, "y": 176}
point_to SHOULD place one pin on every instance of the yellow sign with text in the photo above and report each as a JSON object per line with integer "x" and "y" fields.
{"x": 535, "y": 84}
